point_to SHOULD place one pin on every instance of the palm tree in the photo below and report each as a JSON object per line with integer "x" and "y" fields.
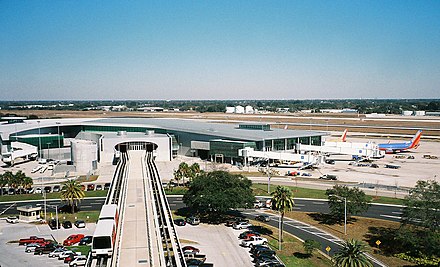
{"x": 282, "y": 201}
{"x": 3, "y": 183}
{"x": 72, "y": 193}
{"x": 19, "y": 179}
{"x": 184, "y": 170}
{"x": 352, "y": 254}
{"x": 194, "y": 170}
{"x": 9, "y": 179}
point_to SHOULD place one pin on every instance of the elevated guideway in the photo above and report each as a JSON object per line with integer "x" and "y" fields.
{"x": 144, "y": 230}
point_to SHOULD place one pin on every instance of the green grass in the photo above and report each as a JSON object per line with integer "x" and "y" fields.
{"x": 98, "y": 193}
{"x": 179, "y": 190}
{"x": 83, "y": 249}
{"x": 261, "y": 190}
{"x": 81, "y": 215}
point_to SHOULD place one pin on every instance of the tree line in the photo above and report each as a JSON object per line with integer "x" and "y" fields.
{"x": 15, "y": 180}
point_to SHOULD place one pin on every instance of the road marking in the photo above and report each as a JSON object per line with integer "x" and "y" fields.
{"x": 397, "y": 212}
{"x": 38, "y": 229}
{"x": 300, "y": 205}
{"x": 318, "y": 203}
{"x": 82, "y": 206}
{"x": 390, "y": 216}
{"x": 295, "y": 208}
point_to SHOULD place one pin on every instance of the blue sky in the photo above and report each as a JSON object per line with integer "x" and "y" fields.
{"x": 306, "y": 49}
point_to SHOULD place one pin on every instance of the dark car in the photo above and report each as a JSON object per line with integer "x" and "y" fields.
{"x": 328, "y": 177}
{"x": 256, "y": 248}
{"x": 70, "y": 257}
{"x": 53, "y": 224}
{"x": 193, "y": 263}
{"x": 246, "y": 234}
{"x": 264, "y": 253}
{"x": 68, "y": 208}
{"x": 263, "y": 218}
{"x": 107, "y": 186}
{"x": 47, "y": 189}
{"x": 67, "y": 224}
{"x": 86, "y": 240}
{"x": 46, "y": 249}
{"x": 180, "y": 222}
{"x": 330, "y": 161}
{"x": 193, "y": 220}
{"x": 235, "y": 220}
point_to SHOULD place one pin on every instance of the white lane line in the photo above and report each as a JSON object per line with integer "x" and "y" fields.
{"x": 390, "y": 216}
{"x": 397, "y": 212}
{"x": 318, "y": 203}
{"x": 295, "y": 208}
{"x": 300, "y": 205}
{"x": 83, "y": 206}
{"x": 38, "y": 229}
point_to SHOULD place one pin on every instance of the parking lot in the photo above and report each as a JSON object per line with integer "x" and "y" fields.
{"x": 12, "y": 255}
{"x": 219, "y": 243}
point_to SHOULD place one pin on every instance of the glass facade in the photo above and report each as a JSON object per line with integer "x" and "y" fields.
{"x": 228, "y": 148}
{"x": 291, "y": 142}
{"x": 46, "y": 141}
{"x": 279, "y": 144}
{"x": 262, "y": 127}
{"x": 304, "y": 140}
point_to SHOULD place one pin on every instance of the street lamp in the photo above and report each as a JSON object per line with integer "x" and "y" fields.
{"x": 56, "y": 212}
{"x": 39, "y": 139}
{"x": 48, "y": 156}
{"x": 59, "y": 140}
{"x": 345, "y": 211}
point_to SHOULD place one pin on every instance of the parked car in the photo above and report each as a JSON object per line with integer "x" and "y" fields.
{"x": 56, "y": 188}
{"x": 73, "y": 239}
{"x": 11, "y": 191}
{"x": 78, "y": 261}
{"x": 85, "y": 240}
{"x": 193, "y": 220}
{"x": 330, "y": 161}
{"x": 71, "y": 257}
{"x": 53, "y": 224}
{"x": 256, "y": 248}
{"x": 65, "y": 254}
{"x": 107, "y": 186}
{"x": 67, "y": 224}
{"x": 254, "y": 240}
{"x": 247, "y": 234}
{"x": 31, "y": 247}
{"x": 180, "y": 222}
{"x": 374, "y": 165}
{"x": 12, "y": 219}
{"x": 30, "y": 240}
{"x": 235, "y": 220}
{"x": 38, "y": 190}
{"x": 266, "y": 261}
{"x": 80, "y": 224}
{"x": 46, "y": 249}
{"x": 57, "y": 252}
{"x": 47, "y": 189}
{"x": 262, "y": 217}
{"x": 90, "y": 187}
{"x": 264, "y": 253}
{"x": 241, "y": 225}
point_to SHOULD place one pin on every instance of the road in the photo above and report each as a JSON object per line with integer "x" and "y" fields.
{"x": 377, "y": 211}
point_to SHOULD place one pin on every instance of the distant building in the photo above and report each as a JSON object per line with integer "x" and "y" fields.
{"x": 239, "y": 109}
{"x": 432, "y": 113}
{"x": 419, "y": 113}
{"x": 249, "y": 110}
{"x": 282, "y": 110}
{"x": 230, "y": 110}
{"x": 407, "y": 113}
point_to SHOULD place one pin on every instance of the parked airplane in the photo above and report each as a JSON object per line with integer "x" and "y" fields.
{"x": 340, "y": 139}
{"x": 391, "y": 148}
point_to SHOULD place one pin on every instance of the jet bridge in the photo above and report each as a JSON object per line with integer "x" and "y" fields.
{"x": 249, "y": 152}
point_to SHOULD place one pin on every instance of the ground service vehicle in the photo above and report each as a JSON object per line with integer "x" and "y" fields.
{"x": 32, "y": 239}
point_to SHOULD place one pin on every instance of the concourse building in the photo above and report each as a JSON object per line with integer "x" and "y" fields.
{"x": 94, "y": 140}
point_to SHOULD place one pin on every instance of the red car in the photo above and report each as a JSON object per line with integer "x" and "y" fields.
{"x": 73, "y": 239}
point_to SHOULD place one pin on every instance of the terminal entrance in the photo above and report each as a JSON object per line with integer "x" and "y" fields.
{"x": 128, "y": 146}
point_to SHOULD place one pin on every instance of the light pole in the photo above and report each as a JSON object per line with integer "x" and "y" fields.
{"x": 59, "y": 141}
{"x": 39, "y": 139}
{"x": 345, "y": 212}
{"x": 56, "y": 212}
{"x": 48, "y": 156}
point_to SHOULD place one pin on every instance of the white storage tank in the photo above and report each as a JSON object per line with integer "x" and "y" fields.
{"x": 249, "y": 110}
{"x": 239, "y": 109}
{"x": 84, "y": 155}
{"x": 420, "y": 113}
{"x": 407, "y": 113}
{"x": 230, "y": 109}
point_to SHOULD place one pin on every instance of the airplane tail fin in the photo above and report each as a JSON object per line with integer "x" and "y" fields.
{"x": 415, "y": 140}
{"x": 344, "y": 135}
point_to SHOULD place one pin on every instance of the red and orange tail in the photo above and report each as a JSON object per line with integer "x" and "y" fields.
{"x": 344, "y": 135}
{"x": 416, "y": 139}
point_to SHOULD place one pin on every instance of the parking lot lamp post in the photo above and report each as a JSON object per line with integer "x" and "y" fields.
{"x": 59, "y": 140}
{"x": 39, "y": 140}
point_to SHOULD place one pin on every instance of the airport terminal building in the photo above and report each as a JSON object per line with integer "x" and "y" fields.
{"x": 94, "y": 140}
